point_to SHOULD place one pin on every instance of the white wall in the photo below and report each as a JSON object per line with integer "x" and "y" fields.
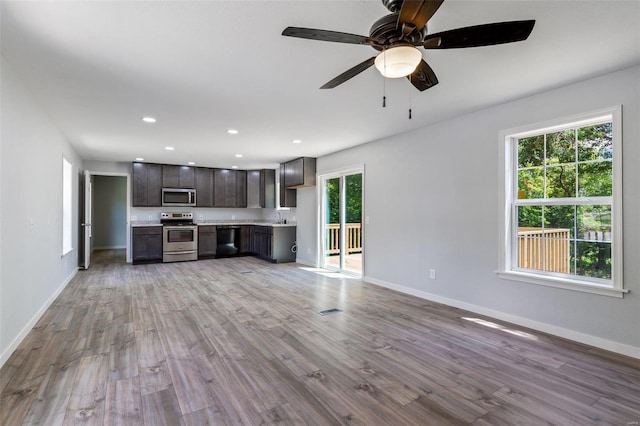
{"x": 32, "y": 270}
{"x": 433, "y": 200}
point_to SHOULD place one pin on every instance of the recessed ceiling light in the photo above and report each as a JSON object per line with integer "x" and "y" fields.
{"x": 148, "y": 119}
{"x": 168, "y": 148}
{"x": 139, "y": 159}
{"x": 296, "y": 141}
{"x": 191, "y": 163}
{"x": 238, "y": 155}
{"x": 234, "y": 167}
{"x": 232, "y": 131}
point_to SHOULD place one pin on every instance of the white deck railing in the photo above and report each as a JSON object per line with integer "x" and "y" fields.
{"x": 353, "y": 237}
{"x": 544, "y": 249}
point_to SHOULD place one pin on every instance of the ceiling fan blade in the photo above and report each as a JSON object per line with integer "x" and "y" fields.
{"x": 350, "y": 73}
{"x": 480, "y": 35}
{"x": 415, "y": 14}
{"x": 423, "y": 77}
{"x": 325, "y": 35}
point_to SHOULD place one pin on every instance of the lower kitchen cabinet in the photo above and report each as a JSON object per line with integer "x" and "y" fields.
{"x": 246, "y": 239}
{"x": 274, "y": 244}
{"x": 262, "y": 241}
{"x": 207, "y": 241}
{"x": 147, "y": 244}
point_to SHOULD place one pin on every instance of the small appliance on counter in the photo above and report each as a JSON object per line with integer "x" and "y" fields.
{"x": 179, "y": 237}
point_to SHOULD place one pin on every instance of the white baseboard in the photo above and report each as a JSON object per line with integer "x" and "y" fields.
{"x": 27, "y": 328}
{"x": 306, "y": 262}
{"x": 566, "y": 333}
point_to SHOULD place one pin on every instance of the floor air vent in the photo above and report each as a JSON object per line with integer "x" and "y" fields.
{"x": 330, "y": 311}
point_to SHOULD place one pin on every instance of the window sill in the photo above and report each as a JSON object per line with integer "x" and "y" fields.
{"x": 66, "y": 251}
{"x": 563, "y": 283}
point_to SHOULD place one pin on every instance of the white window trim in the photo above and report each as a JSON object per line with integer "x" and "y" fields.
{"x": 506, "y": 189}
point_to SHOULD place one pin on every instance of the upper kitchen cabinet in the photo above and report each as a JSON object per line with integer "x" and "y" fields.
{"x": 261, "y": 188}
{"x": 178, "y": 177}
{"x": 229, "y": 188}
{"x": 204, "y": 187}
{"x": 241, "y": 188}
{"x": 287, "y": 196}
{"x": 300, "y": 173}
{"x": 147, "y": 185}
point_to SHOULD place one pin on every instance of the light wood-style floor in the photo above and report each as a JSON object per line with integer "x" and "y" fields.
{"x": 239, "y": 341}
{"x": 352, "y": 262}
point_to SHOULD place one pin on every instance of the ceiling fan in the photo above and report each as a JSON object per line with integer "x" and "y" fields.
{"x": 397, "y": 35}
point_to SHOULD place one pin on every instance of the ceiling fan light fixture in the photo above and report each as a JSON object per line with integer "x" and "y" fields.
{"x": 399, "y": 61}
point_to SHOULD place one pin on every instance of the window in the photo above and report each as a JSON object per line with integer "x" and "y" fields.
{"x": 563, "y": 203}
{"x": 67, "y": 206}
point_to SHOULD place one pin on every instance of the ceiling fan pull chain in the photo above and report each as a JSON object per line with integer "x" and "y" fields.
{"x": 384, "y": 92}
{"x": 410, "y": 76}
{"x": 384, "y": 86}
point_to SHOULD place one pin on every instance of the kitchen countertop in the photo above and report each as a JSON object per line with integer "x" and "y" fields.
{"x": 138, "y": 224}
{"x": 217, "y": 222}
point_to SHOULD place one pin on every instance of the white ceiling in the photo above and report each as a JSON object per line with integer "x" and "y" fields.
{"x": 202, "y": 67}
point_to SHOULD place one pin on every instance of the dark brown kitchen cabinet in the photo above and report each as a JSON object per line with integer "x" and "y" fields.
{"x": 274, "y": 244}
{"x": 300, "y": 173}
{"x": 241, "y": 188}
{"x": 207, "y": 241}
{"x": 224, "y": 185}
{"x": 261, "y": 188}
{"x": 178, "y": 177}
{"x": 147, "y": 244}
{"x": 246, "y": 239}
{"x": 204, "y": 187}
{"x": 287, "y": 196}
{"x": 229, "y": 188}
{"x": 262, "y": 241}
{"x": 147, "y": 185}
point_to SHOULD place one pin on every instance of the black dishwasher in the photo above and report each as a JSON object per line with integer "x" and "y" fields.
{"x": 228, "y": 240}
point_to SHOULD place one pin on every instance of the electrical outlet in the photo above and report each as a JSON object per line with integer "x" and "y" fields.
{"x": 233, "y": 216}
{"x": 134, "y": 218}
{"x": 201, "y": 217}
{"x": 366, "y": 220}
{"x": 432, "y": 274}
{"x": 309, "y": 250}
{"x": 150, "y": 217}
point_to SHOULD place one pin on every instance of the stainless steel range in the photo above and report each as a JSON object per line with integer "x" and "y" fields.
{"x": 180, "y": 237}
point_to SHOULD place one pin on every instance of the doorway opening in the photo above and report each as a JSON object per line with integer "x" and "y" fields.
{"x": 341, "y": 232}
{"x": 105, "y": 216}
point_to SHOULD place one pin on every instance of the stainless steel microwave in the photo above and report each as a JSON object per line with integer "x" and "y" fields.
{"x": 178, "y": 197}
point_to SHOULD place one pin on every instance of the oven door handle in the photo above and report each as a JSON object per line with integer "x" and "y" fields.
{"x": 181, "y": 252}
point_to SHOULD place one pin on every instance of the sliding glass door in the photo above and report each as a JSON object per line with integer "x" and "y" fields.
{"x": 341, "y": 232}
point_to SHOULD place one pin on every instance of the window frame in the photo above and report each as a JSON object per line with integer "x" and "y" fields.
{"x": 508, "y": 221}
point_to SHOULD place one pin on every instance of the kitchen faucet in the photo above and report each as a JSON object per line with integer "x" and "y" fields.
{"x": 279, "y": 216}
